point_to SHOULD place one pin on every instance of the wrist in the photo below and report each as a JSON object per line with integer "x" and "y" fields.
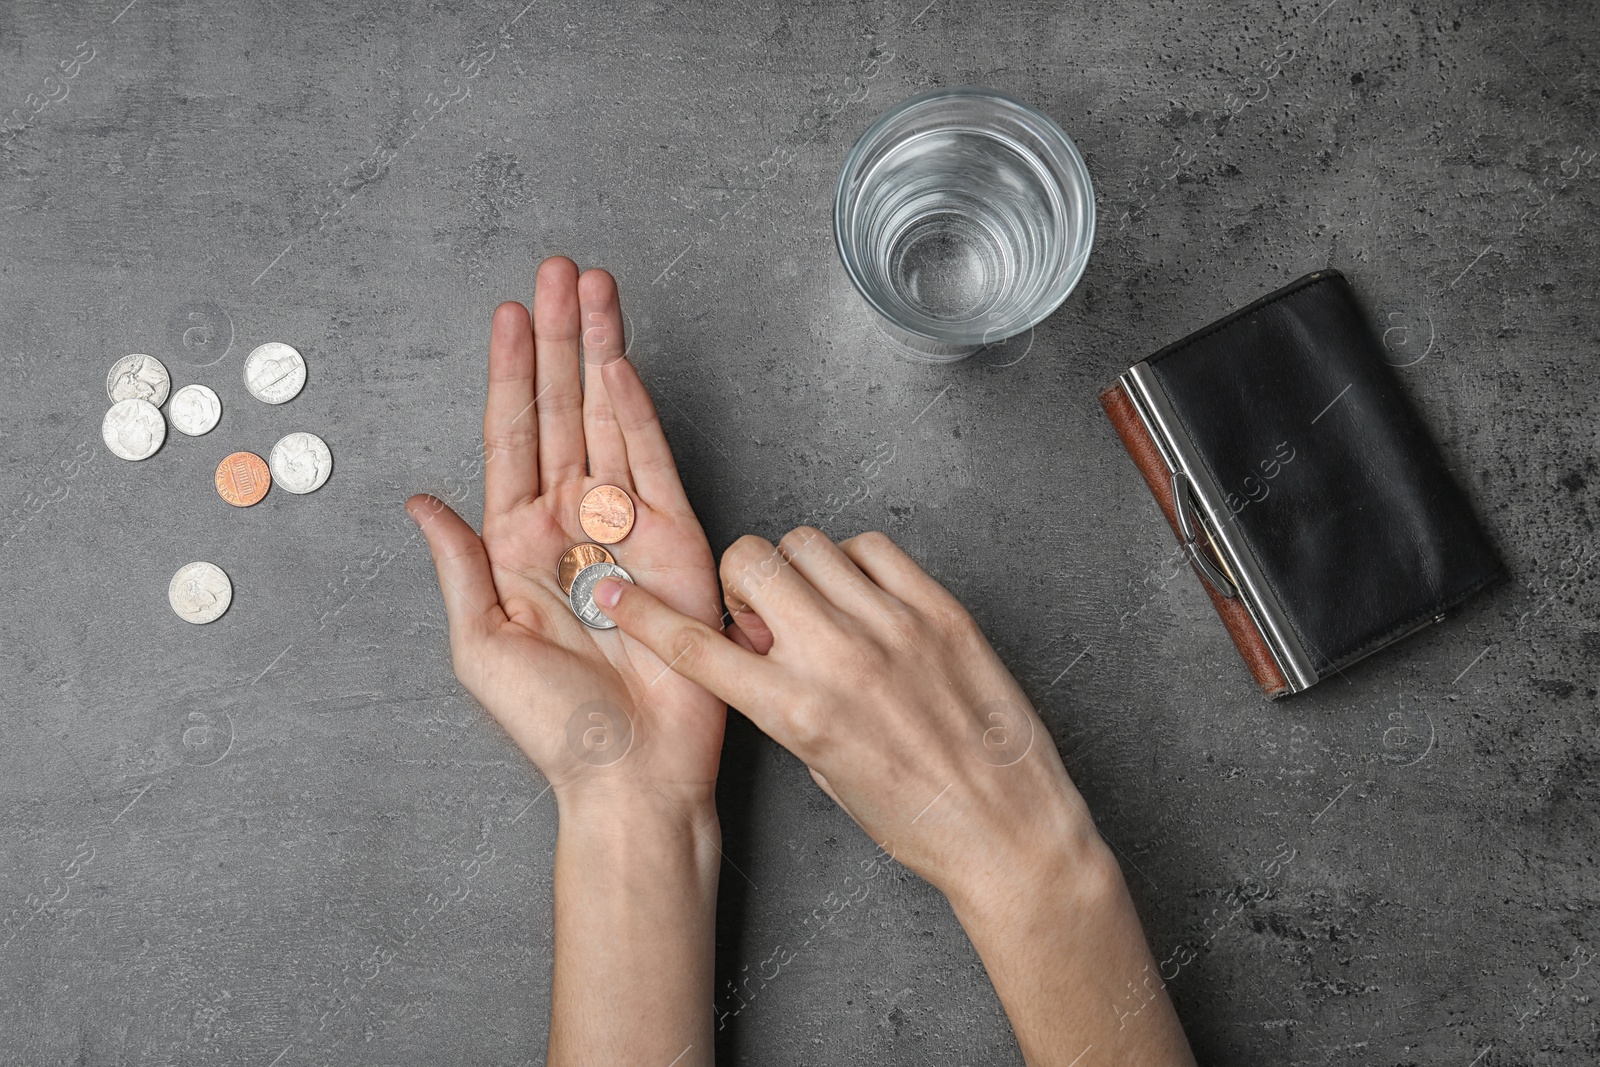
{"x": 635, "y": 897}
{"x": 1063, "y": 862}
{"x": 632, "y": 813}
{"x": 1081, "y": 881}
{"x": 1062, "y": 945}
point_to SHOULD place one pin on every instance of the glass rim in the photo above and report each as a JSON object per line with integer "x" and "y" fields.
{"x": 1070, "y": 275}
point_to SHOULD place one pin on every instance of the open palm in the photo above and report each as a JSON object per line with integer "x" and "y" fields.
{"x": 587, "y": 706}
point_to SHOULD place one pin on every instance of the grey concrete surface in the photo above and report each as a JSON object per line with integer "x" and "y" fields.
{"x": 206, "y": 833}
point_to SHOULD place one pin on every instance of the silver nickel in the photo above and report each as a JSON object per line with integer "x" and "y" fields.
{"x": 300, "y": 462}
{"x": 194, "y": 410}
{"x": 200, "y": 593}
{"x": 141, "y": 376}
{"x": 274, "y": 373}
{"x": 134, "y": 429}
{"x": 582, "y": 597}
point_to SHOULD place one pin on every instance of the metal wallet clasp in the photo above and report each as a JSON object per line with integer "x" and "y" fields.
{"x": 1190, "y": 527}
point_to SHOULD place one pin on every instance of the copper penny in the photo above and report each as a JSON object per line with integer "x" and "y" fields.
{"x": 606, "y": 514}
{"x": 578, "y": 557}
{"x": 243, "y": 479}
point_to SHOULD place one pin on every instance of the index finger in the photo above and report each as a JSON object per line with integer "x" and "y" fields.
{"x": 510, "y": 425}
{"x": 692, "y": 649}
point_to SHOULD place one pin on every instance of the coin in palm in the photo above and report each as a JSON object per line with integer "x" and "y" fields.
{"x": 606, "y": 514}
{"x": 582, "y": 596}
{"x": 578, "y": 557}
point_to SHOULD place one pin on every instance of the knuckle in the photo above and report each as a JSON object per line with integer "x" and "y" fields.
{"x": 557, "y": 402}
{"x": 648, "y": 465}
{"x": 807, "y": 723}
{"x": 690, "y": 649}
{"x": 949, "y": 618}
{"x": 874, "y": 541}
{"x": 749, "y": 546}
{"x": 602, "y": 419}
{"x": 744, "y": 560}
{"x": 508, "y": 439}
{"x": 798, "y": 539}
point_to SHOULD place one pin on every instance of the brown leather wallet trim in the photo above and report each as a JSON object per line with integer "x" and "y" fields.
{"x": 1147, "y": 457}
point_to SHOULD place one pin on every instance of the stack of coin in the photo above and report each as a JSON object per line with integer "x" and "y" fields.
{"x": 606, "y": 514}
{"x": 134, "y": 429}
{"x": 138, "y": 385}
{"x": 139, "y": 376}
{"x": 582, "y": 596}
{"x": 576, "y": 559}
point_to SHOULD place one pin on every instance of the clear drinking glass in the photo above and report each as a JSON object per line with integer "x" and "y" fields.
{"x": 964, "y": 217}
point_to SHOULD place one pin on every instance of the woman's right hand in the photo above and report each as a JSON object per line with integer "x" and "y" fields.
{"x": 855, "y": 660}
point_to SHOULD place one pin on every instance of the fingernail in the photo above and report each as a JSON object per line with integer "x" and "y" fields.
{"x": 607, "y": 592}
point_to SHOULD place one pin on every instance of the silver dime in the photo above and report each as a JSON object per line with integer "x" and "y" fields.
{"x": 582, "y": 596}
{"x": 138, "y": 376}
{"x": 300, "y": 462}
{"x": 134, "y": 429}
{"x": 200, "y": 592}
{"x": 274, "y": 373}
{"x": 194, "y": 410}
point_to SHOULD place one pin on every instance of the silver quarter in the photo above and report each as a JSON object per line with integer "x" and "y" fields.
{"x": 134, "y": 429}
{"x": 138, "y": 376}
{"x": 274, "y": 373}
{"x": 582, "y": 596}
{"x": 300, "y": 462}
{"x": 200, "y": 592}
{"x": 194, "y": 410}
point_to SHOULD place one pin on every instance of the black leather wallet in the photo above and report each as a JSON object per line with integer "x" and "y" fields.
{"x": 1304, "y": 487}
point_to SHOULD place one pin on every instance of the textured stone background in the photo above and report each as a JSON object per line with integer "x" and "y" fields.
{"x": 206, "y": 833}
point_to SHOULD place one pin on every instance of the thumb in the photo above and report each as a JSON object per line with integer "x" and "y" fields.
{"x": 470, "y": 598}
{"x": 689, "y": 647}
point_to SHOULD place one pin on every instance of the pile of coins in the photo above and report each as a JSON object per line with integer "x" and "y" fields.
{"x": 135, "y": 430}
{"x": 606, "y": 514}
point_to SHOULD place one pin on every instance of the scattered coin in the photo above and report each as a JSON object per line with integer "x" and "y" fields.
{"x": 606, "y": 514}
{"x": 300, "y": 462}
{"x": 582, "y": 596}
{"x": 578, "y": 557}
{"x": 195, "y": 410}
{"x": 133, "y": 428}
{"x": 138, "y": 376}
{"x": 274, "y": 373}
{"x": 243, "y": 479}
{"x": 200, "y": 592}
